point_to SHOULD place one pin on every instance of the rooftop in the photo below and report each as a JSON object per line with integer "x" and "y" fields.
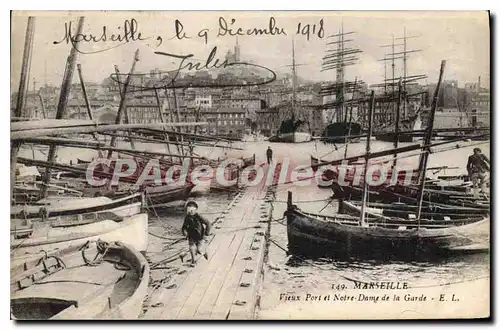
{"x": 230, "y": 110}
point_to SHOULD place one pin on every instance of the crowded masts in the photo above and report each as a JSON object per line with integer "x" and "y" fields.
{"x": 294, "y": 79}
{"x": 405, "y": 79}
{"x": 337, "y": 59}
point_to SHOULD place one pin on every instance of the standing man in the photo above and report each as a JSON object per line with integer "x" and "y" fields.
{"x": 478, "y": 167}
{"x": 269, "y": 154}
{"x": 196, "y": 228}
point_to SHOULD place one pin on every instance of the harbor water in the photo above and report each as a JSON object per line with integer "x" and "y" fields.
{"x": 285, "y": 273}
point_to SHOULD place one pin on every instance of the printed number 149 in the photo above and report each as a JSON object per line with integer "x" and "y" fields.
{"x": 339, "y": 286}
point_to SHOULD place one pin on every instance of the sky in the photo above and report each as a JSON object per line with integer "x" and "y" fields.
{"x": 460, "y": 38}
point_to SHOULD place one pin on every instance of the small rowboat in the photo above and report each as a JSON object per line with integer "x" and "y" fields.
{"x": 100, "y": 280}
{"x": 63, "y": 206}
{"x": 63, "y": 233}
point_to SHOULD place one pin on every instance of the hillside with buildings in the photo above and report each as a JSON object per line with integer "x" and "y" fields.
{"x": 231, "y": 110}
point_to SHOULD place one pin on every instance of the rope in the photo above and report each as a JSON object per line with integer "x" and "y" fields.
{"x": 102, "y": 249}
{"x": 241, "y": 228}
{"x": 162, "y": 237}
{"x": 46, "y": 257}
{"x": 314, "y": 265}
{"x": 280, "y": 220}
{"x": 168, "y": 228}
{"x": 301, "y": 202}
{"x": 176, "y": 255}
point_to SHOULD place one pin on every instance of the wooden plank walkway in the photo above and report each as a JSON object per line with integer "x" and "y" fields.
{"x": 226, "y": 285}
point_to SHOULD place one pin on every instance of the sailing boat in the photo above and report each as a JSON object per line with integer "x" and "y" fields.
{"x": 289, "y": 128}
{"x": 407, "y": 126}
{"x": 411, "y": 119}
{"x": 378, "y": 236}
{"x": 342, "y": 125}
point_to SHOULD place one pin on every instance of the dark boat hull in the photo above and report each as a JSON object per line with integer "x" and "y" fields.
{"x": 406, "y": 211}
{"x": 406, "y": 194}
{"x": 292, "y": 137}
{"x": 314, "y": 235}
{"x": 158, "y": 195}
{"x": 166, "y": 196}
{"x": 341, "y": 132}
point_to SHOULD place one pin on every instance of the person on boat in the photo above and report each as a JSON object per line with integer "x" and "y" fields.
{"x": 269, "y": 154}
{"x": 478, "y": 167}
{"x": 196, "y": 228}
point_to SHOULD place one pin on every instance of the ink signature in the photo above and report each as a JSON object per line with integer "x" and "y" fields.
{"x": 185, "y": 64}
{"x": 129, "y": 32}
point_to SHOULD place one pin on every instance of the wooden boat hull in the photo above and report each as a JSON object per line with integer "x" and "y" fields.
{"x": 122, "y": 207}
{"x": 406, "y": 211}
{"x": 231, "y": 175}
{"x": 81, "y": 161}
{"x": 159, "y": 195}
{"x": 201, "y": 188}
{"x": 72, "y": 286}
{"x": 132, "y": 230}
{"x": 342, "y": 132}
{"x": 318, "y": 235}
{"x": 292, "y": 137}
{"x": 405, "y": 194}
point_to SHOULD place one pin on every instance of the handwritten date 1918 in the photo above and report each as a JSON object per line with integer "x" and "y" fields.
{"x": 309, "y": 30}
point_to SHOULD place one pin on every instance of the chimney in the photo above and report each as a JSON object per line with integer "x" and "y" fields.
{"x": 479, "y": 84}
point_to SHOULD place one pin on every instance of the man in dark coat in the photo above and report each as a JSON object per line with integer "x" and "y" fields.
{"x": 269, "y": 154}
{"x": 196, "y": 228}
{"x": 478, "y": 167}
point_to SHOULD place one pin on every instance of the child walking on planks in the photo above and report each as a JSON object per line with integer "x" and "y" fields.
{"x": 196, "y": 228}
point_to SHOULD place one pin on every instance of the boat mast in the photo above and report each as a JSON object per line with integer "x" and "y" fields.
{"x": 125, "y": 110}
{"x": 293, "y": 80}
{"x": 350, "y": 116}
{"x": 342, "y": 72}
{"x": 404, "y": 73}
{"x": 407, "y": 79}
{"x": 338, "y": 59}
{"x": 425, "y": 155}
{"x": 404, "y": 56}
{"x": 42, "y": 104}
{"x": 85, "y": 96}
{"x": 367, "y": 155}
{"x": 63, "y": 101}
{"x": 393, "y": 94}
{"x": 123, "y": 99}
{"x": 178, "y": 115}
{"x": 162, "y": 120}
{"x": 398, "y": 114}
{"x": 21, "y": 96}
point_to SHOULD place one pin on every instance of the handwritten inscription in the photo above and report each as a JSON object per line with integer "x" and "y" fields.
{"x": 211, "y": 62}
{"x": 128, "y": 32}
{"x": 311, "y": 29}
{"x": 226, "y": 28}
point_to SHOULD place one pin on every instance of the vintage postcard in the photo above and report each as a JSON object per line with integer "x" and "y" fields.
{"x": 250, "y": 165}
